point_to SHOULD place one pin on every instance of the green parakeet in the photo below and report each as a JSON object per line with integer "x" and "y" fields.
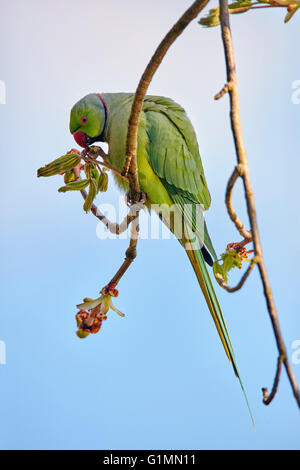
{"x": 170, "y": 173}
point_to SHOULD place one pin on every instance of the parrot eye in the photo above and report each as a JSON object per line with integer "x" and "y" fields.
{"x": 83, "y": 119}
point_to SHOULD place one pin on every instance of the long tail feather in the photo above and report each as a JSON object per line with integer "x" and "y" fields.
{"x": 198, "y": 263}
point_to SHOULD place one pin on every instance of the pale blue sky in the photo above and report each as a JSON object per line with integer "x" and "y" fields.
{"x": 157, "y": 378}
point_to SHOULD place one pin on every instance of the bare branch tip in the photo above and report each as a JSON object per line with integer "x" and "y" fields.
{"x": 226, "y": 88}
{"x": 267, "y": 398}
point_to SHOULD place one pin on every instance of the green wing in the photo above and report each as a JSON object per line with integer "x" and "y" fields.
{"x": 173, "y": 154}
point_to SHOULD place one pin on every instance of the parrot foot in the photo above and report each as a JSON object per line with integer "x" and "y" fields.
{"x": 129, "y": 202}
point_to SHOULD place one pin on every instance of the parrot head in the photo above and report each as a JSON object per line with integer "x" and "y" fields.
{"x": 88, "y": 119}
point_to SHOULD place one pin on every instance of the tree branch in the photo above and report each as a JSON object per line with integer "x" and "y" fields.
{"x": 237, "y": 172}
{"x": 131, "y": 218}
{"x": 130, "y": 254}
{"x": 249, "y": 195}
{"x": 267, "y": 398}
{"x": 130, "y": 167}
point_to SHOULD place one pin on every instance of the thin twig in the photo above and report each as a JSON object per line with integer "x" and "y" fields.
{"x": 243, "y": 243}
{"x": 245, "y": 276}
{"x": 237, "y": 172}
{"x": 267, "y": 398}
{"x": 131, "y": 218}
{"x": 249, "y": 195}
{"x": 113, "y": 227}
{"x": 130, "y": 254}
{"x": 109, "y": 167}
{"x": 130, "y": 166}
{"x": 224, "y": 90}
{"x": 90, "y": 154}
{"x": 241, "y": 9}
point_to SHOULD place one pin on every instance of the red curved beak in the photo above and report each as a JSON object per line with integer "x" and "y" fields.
{"x": 80, "y": 138}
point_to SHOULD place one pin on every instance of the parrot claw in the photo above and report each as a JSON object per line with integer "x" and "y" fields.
{"x": 143, "y": 198}
{"x": 128, "y": 201}
{"x": 126, "y": 198}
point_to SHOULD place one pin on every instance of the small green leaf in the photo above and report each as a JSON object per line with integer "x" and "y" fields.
{"x": 240, "y": 4}
{"x": 82, "y": 334}
{"x": 87, "y": 170}
{"x": 60, "y": 165}
{"x": 74, "y": 186}
{"x": 90, "y": 197}
{"x": 94, "y": 172}
{"x": 95, "y": 183}
{"x": 231, "y": 259}
{"x": 212, "y": 19}
{"x": 219, "y": 269}
{"x": 291, "y": 11}
{"x": 102, "y": 182}
{"x": 90, "y": 303}
{"x": 91, "y": 171}
{"x": 69, "y": 176}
